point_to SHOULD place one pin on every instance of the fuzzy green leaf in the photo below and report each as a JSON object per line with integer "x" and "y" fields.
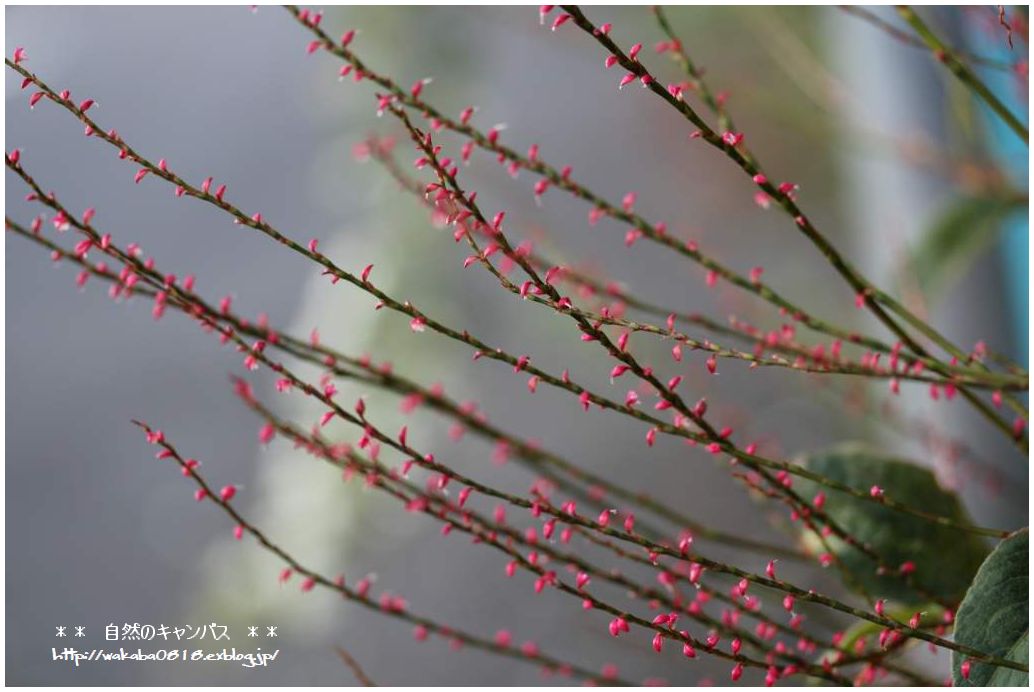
{"x": 1007, "y": 677}
{"x": 945, "y": 559}
{"x": 994, "y": 616}
{"x": 957, "y": 237}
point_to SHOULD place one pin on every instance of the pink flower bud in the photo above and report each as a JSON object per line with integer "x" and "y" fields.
{"x": 560, "y": 21}
{"x": 732, "y": 139}
{"x": 618, "y": 370}
{"x": 819, "y": 501}
{"x": 617, "y": 626}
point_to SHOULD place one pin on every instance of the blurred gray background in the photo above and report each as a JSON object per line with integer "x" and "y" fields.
{"x": 100, "y": 532}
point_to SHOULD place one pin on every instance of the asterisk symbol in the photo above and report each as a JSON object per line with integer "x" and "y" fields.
{"x": 60, "y": 632}
{"x": 80, "y": 630}
{"x": 252, "y": 631}
{"x": 271, "y": 631}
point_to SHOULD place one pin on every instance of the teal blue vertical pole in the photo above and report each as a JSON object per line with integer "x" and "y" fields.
{"x": 1012, "y": 156}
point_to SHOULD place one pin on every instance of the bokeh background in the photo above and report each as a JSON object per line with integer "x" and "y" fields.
{"x": 883, "y": 143}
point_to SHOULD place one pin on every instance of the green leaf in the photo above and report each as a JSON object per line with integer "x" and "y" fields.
{"x": 932, "y": 614}
{"x": 958, "y": 235}
{"x": 945, "y": 559}
{"x": 994, "y": 617}
{"x": 1007, "y": 677}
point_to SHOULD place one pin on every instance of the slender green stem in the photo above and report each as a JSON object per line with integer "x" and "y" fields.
{"x": 965, "y": 75}
{"x": 910, "y": 40}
